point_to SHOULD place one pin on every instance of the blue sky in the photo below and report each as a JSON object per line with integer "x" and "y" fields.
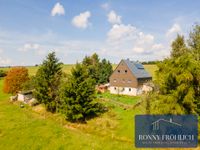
{"x": 115, "y": 29}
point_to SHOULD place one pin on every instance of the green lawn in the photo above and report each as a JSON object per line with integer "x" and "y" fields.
{"x": 120, "y": 98}
{"x": 33, "y": 128}
{"x": 24, "y": 128}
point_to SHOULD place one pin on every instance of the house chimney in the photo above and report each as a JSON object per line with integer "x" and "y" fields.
{"x": 170, "y": 120}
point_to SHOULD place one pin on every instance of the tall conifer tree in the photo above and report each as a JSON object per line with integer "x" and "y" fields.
{"x": 47, "y": 82}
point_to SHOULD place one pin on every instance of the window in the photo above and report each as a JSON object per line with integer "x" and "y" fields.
{"x": 126, "y": 71}
{"x": 115, "y": 88}
{"x": 115, "y": 80}
{"x": 118, "y": 71}
{"x": 129, "y": 89}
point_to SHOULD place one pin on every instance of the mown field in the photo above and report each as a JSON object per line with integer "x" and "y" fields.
{"x": 33, "y": 128}
{"x": 67, "y": 67}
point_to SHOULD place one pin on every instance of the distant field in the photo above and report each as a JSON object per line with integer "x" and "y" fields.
{"x": 67, "y": 68}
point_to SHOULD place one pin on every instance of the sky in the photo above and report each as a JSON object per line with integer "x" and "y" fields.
{"x": 115, "y": 29}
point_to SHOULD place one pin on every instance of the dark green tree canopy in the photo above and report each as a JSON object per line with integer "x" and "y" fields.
{"x": 178, "y": 79}
{"x": 78, "y": 95}
{"x": 99, "y": 70}
{"x": 47, "y": 82}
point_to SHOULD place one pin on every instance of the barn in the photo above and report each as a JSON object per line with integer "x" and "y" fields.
{"x": 129, "y": 78}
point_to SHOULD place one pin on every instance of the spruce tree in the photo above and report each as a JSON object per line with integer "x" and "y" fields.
{"x": 178, "y": 79}
{"x": 178, "y": 47}
{"x": 47, "y": 82}
{"x": 98, "y": 70}
{"x": 78, "y": 95}
{"x": 194, "y": 41}
{"x": 105, "y": 71}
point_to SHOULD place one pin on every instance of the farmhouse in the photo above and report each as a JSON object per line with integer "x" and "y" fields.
{"x": 129, "y": 78}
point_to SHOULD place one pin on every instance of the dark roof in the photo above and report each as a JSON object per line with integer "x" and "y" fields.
{"x": 137, "y": 69}
{"x": 26, "y": 92}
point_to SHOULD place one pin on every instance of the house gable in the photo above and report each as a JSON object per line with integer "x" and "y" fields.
{"x": 123, "y": 77}
{"x": 129, "y": 74}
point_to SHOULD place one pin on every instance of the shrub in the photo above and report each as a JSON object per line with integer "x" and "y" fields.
{"x": 3, "y": 73}
{"x": 15, "y": 79}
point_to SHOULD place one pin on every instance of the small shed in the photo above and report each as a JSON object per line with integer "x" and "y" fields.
{"x": 25, "y": 96}
{"x": 102, "y": 88}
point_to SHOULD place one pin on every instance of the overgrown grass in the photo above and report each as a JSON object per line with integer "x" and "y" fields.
{"x": 24, "y": 128}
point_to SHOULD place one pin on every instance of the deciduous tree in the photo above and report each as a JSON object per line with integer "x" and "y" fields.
{"x": 15, "y": 79}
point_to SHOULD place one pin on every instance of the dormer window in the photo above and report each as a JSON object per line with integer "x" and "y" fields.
{"x": 118, "y": 71}
{"x": 126, "y": 71}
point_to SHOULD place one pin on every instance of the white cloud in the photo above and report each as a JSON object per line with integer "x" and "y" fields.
{"x": 174, "y": 30}
{"x": 145, "y": 38}
{"x": 29, "y": 46}
{"x": 105, "y": 6}
{"x": 127, "y": 40}
{"x": 157, "y": 46}
{"x": 138, "y": 49}
{"x": 5, "y": 61}
{"x": 114, "y": 18}
{"x": 82, "y": 20}
{"x": 37, "y": 48}
{"x": 58, "y": 9}
{"x": 120, "y": 32}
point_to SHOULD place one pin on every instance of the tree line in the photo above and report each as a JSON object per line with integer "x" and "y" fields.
{"x": 177, "y": 85}
{"x": 73, "y": 94}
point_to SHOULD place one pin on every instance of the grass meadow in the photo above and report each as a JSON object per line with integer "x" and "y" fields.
{"x": 67, "y": 68}
{"x": 32, "y": 128}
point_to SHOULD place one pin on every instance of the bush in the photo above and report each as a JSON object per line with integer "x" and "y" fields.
{"x": 15, "y": 79}
{"x": 3, "y": 73}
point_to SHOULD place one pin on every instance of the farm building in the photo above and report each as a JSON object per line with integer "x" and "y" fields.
{"x": 129, "y": 78}
{"x": 25, "y": 96}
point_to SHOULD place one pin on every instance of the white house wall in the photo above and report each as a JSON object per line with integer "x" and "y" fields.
{"x": 125, "y": 91}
